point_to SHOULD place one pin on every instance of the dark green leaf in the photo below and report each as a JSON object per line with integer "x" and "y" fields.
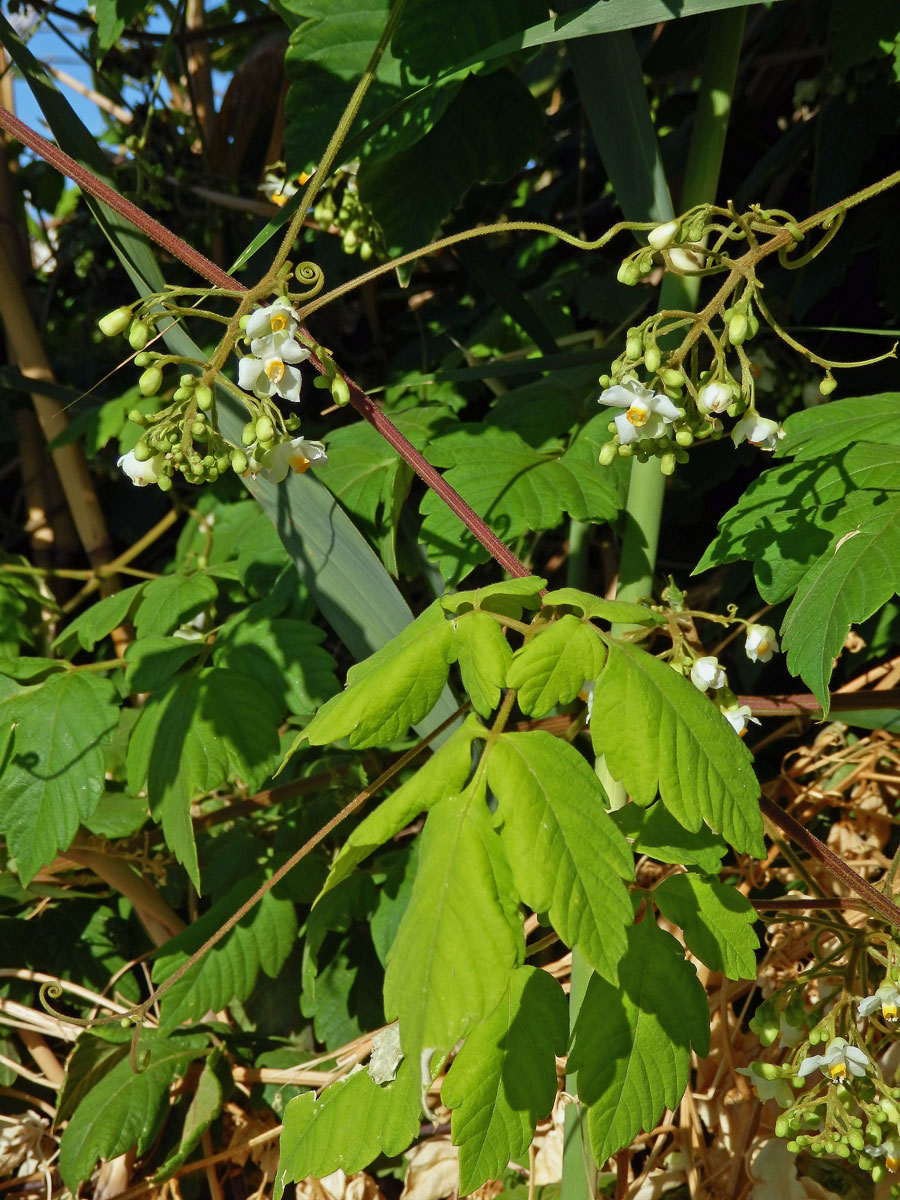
{"x": 284, "y": 656}
{"x": 152, "y": 661}
{"x": 171, "y": 601}
{"x": 655, "y": 831}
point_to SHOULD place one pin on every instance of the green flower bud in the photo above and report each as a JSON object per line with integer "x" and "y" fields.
{"x": 212, "y": 474}
{"x": 164, "y": 483}
{"x": 782, "y": 1128}
{"x": 625, "y": 451}
{"x": 265, "y": 430}
{"x": 753, "y": 324}
{"x": 340, "y": 392}
{"x": 634, "y": 349}
{"x": 827, "y": 386}
{"x": 682, "y": 456}
{"x": 137, "y": 417}
{"x": 115, "y": 322}
{"x": 321, "y": 382}
{"x": 663, "y": 235}
{"x": 667, "y": 464}
{"x": 628, "y": 273}
{"x": 138, "y": 335}
{"x": 204, "y": 397}
{"x": 793, "y": 1147}
{"x": 150, "y": 381}
{"x": 223, "y": 462}
{"x": 652, "y": 359}
{"x": 738, "y": 328}
{"x": 856, "y": 1140}
{"x": 142, "y": 451}
{"x": 199, "y": 431}
{"x": 768, "y": 1070}
{"x": 879, "y": 1170}
{"x": 365, "y": 251}
{"x": 173, "y": 437}
{"x": 144, "y": 359}
{"x": 243, "y": 321}
{"x": 608, "y": 453}
{"x": 865, "y": 1163}
{"x": 673, "y": 379}
{"x": 248, "y": 433}
{"x": 188, "y": 381}
{"x": 349, "y": 241}
{"x": 182, "y": 394}
{"x": 239, "y": 462}
{"x": 605, "y": 381}
{"x": 685, "y": 437}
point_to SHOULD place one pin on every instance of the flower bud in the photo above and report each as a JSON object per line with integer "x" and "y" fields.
{"x": 634, "y": 349}
{"x": 115, "y": 322}
{"x": 136, "y": 417}
{"x": 667, "y": 464}
{"x": 340, "y": 392}
{"x": 182, "y": 394}
{"x": 684, "y": 437}
{"x": 164, "y": 483}
{"x": 673, "y": 379}
{"x": 828, "y": 384}
{"x": 204, "y": 397}
{"x": 238, "y": 461}
{"x": 687, "y": 261}
{"x": 663, "y": 235}
{"x": 143, "y": 359}
{"x": 265, "y": 430}
{"x": 608, "y": 453}
{"x": 652, "y": 359}
{"x": 737, "y": 329}
{"x": 142, "y": 451}
{"x": 138, "y": 335}
{"x": 628, "y": 273}
{"x": 150, "y": 381}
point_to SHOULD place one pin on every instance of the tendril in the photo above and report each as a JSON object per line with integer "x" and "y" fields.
{"x": 309, "y": 274}
{"x": 793, "y": 263}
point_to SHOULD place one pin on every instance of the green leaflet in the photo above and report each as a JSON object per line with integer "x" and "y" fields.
{"x": 595, "y": 607}
{"x": 567, "y": 858}
{"x": 659, "y": 733}
{"x": 123, "y": 1109}
{"x": 260, "y": 942}
{"x": 53, "y": 766}
{"x": 552, "y": 666}
{"x": 524, "y": 489}
{"x": 349, "y": 1125}
{"x": 632, "y": 1043}
{"x": 655, "y": 831}
{"x": 152, "y": 661}
{"x": 717, "y": 921}
{"x": 508, "y": 597}
{"x": 442, "y": 775}
{"x": 171, "y": 601}
{"x": 204, "y": 1106}
{"x": 461, "y": 934}
{"x": 484, "y": 657}
{"x": 284, "y": 655}
{"x": 503, "y": 1081}
{"x": 402, "y": 683}
{"x": 190, "y": 736}
{"x": 91, "y": 1060}
{"x": 112, "y": 17}
{"x": 832, "y": 427}
{"x": 97, "y": 621}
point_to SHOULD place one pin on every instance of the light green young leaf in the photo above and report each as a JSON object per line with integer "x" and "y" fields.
{"x": 173, "y": 600}
{"x": 717, "y": 921}
{"x": 567, "y": 858}
{"x": 659, "y": 734}
{"x": 441, "y": 776}
{"x": 632, "y": 1043}
{"x": 350, "y": 1124}
{"x": 53, "y": 770}
{"x": 124, "y": 1109}
{"x": 605, "y": 610}
{"x": 260, "y": 942}
{"x": 393, "y": 689}
{"x": 655, "y": 831}
{"x": 552, "y": 666}
{"x": 205, "y": 1105}
{"x": 503, "y": 1081}
{"x": 508, "y": 597}
{"x": 461, "y": 934}
{"x": 484, "y": 657}
{"x": 112, "y": 17}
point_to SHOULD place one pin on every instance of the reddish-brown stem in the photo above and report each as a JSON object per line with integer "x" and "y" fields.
{"x": 807, "y": 841}
{"x": 216, "y": 276}
{"x": 805, "y": 704}
{"x": 96, "y": 187}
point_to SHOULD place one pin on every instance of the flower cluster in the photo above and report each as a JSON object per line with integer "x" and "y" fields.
{"x": 708, "y": 675}
{"x": 270, "y": 369}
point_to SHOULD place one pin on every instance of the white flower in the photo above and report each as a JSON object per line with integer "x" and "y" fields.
{"x": 663, "y": 235}
{"x": 297, "y": 456}
{"x": 141, "y": 473}
{"x": 273, "y": 375}
{"x": 277, "y": 191}
{"x": 686, "y": 260}
{"x": 714, "y": 398}
{"x": 706, "y": 673}
{"x": 889, "y": 1150}
{"x": 839, "y": 1059}
{"x": 790, "y": 1034}
{"x": 758, "y": 431}
{"x": 761, "y": 643}
{"x": 887, "y": 998}
{"x": 647, "y": 413}
{"x": 276, "y": 317}
{"x": 768, "y": 1089}
{"x": 737, "y": 716}
{"x": 587, "y": 694}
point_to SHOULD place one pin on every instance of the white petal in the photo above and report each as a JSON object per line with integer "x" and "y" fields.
{"x": 869, "y": 1005}
{"x": 664, "y": 406}
{"x": 814, "y": 1063}
{"x": 249, "y": 370}
{"x": 293, "y": 352}
{"x": 626, "y": 431}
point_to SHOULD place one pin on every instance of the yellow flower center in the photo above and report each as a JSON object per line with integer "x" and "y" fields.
{"x": 275, "y": 370}
{"x": 299, "y": 463}
{"x": 279, "y": 199}
{"x": 278, "y": 322}
{"x": 889, "y": 1011}
{"x": 762, "y": 647}
{"x": 638, "y": 414}
{"x": 891, "y": 1163}
{"x": 838, "y": 1071}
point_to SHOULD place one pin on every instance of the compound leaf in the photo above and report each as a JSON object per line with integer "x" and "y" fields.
{"x": 632, "y": 1042}
{"x": 567, "y": 858}
{"x": 503, "y": 1081}
{"x": 659, "y": 733}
